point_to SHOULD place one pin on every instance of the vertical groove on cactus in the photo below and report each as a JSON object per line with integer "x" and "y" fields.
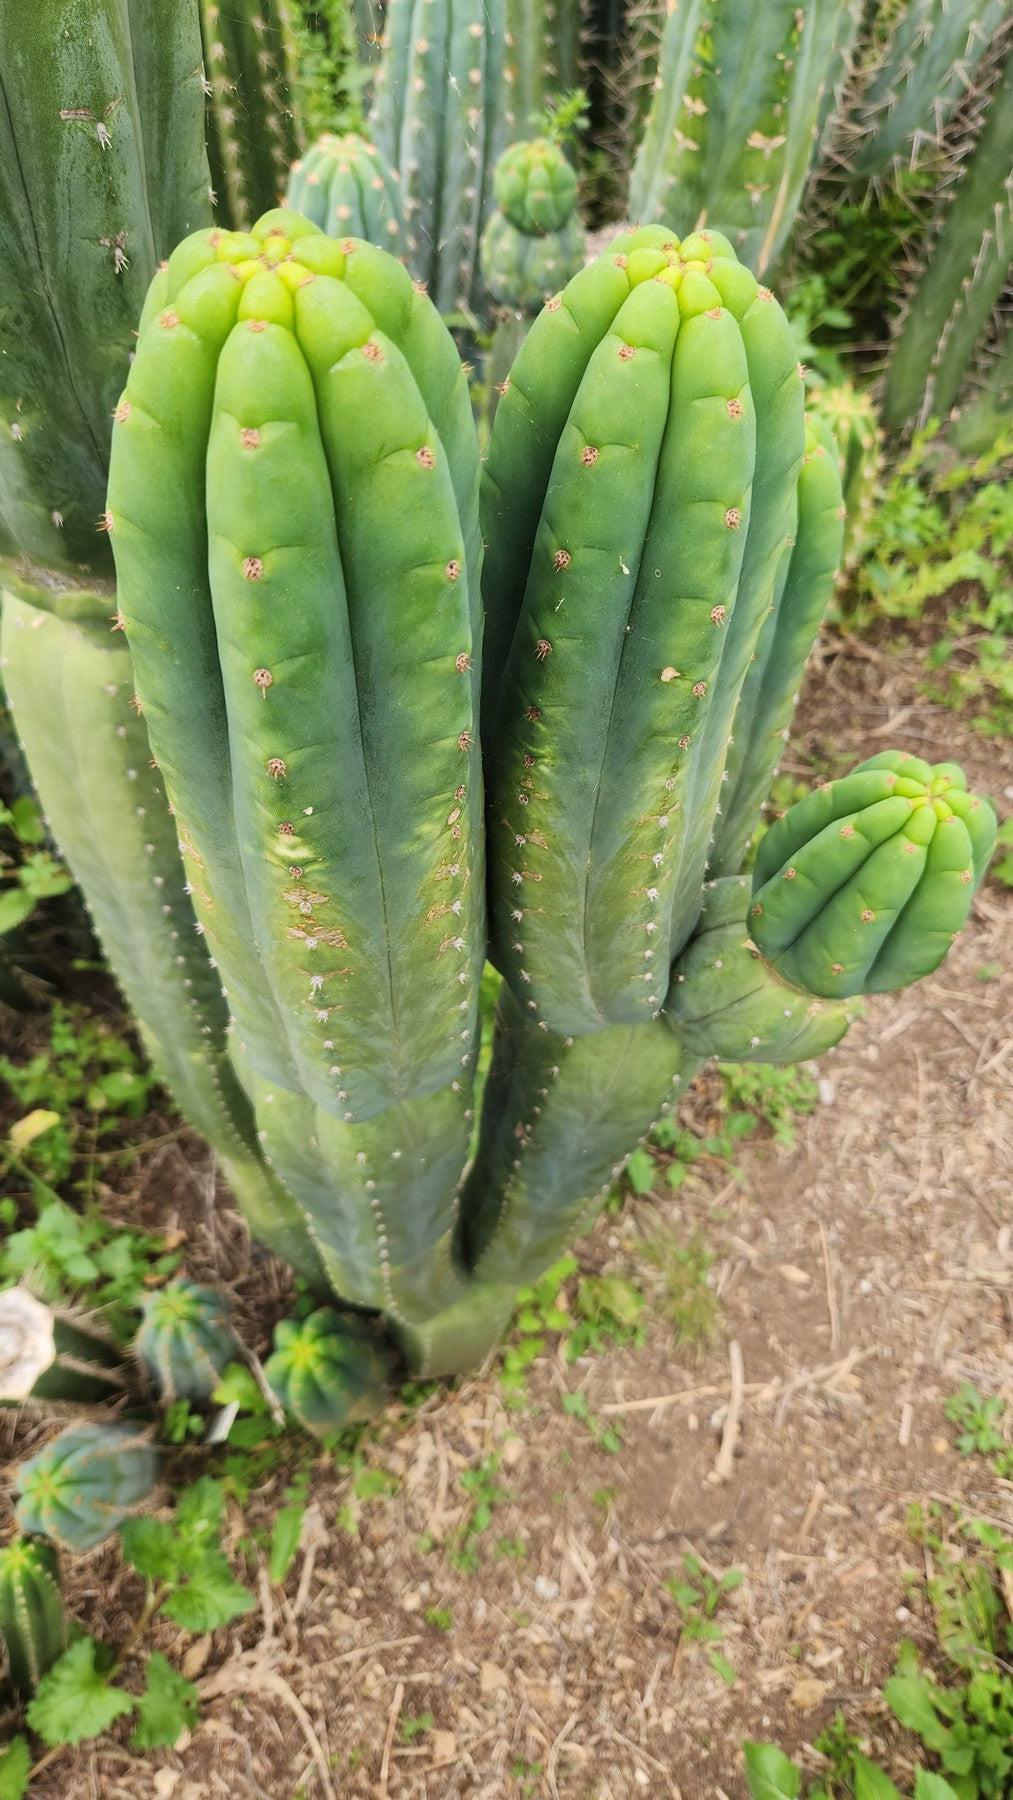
{"x": 858, "y": 445}
{"x": 102, "y": 152}
{"x": 742, "y": 99}
{"x": 343, "y": 185}
{"x": 543, "y": 57}
{"x": 33, "y": 1625}
{"x": 441, "y": 116}
{"x": 254, "y": 129}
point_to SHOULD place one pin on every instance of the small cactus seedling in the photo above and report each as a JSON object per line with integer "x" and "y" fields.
{"x": 33, "y": 1625}
{"x": 726, "y": 1001}
{"x": 345, "y": 187}
{"x": 741, "y": 102}
{"x": 185, "y": 1340}
{"x": 329, "y": 1370}
{"x": 534, "y": 240}
{"x": 862, "y": 886}
{"x": 47, "y": 1355}
{"x": 82, "y": 1485}
{"x": 851, "y": 416}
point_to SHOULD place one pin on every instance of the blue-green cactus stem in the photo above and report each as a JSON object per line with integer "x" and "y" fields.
{"x": 740, "y": 106}
{"x": 330, "y": 1370}
{"x": 254, "y": 125}
{"x": 770, "y": 690}
{"x": 534, "y": 241}
{"x": 862, "y": 886}
{"x": 441, "y": 116}
{"x": 71, "y": 689}
{"x": 185, "y": 1340}
{"x": 33, "y": 1624}
{"x": 858, "y": 443}
{"x": 102, "y": 169}
{"x": 305, "y": 747}
{"x": 85, "y": 1482}
{"x": 345, "y": 186}
{"x": 725, "y": 1001}
{"x": 543, "y": 56}
{"x": 640, "y": 489}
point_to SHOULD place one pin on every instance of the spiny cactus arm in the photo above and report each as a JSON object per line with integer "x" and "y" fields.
{"x": 50, "y": 1356}
{"x": 82, "y": 1485}
{"x": 330, "y": 1370}
{"x": 771, "y": 686}
{"x": 923, "y": 66}
{"x": 862, "y": 885}
{"x": 390, "y": 82}
{"x": 968, "y": 265}
{"x": 86, "y": 209}
{"x": 33, "y": 1624}
{"x": 343, "y": 185}
{"x": 778, "y": 394}
{"x": 70, "y": 686}
{"x": 725, "y": 1001}
{"x": 663, "y": 133}
{"x": 185, "y": 1340}
{"x": 253, "y": 126}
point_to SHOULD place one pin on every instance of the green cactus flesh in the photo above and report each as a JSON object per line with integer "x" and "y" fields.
{"x": 534, "y": 240}
{"x": 919, "y": 67}
{"x": 542, "y": 58}
{"x": 770, "y": 689}
{"x": 185, "y": 1340}
{"x": 726, "y": 1001}
{"x": 851, "y": 416}
{"x": 640, "y": 490}
{"x": 741, "y": 100}
{"x": 535, "y": 186}
{"x": 254, "y": 129}
{"x": 329, "y": 1370}
{"x": 343, "y": 185}
{"x": 84, "y": 1483}
{"x": 102, "y": 154}
{"x": 861, "y": 886}
{"x": 71, "y": 685}
{"x": 968, "y": 266}
{"x": 53, "y": 1356}
{"x": 440, "y": 119}
{"x": 33, "y": 1626}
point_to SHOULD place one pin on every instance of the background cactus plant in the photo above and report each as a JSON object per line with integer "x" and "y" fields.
{"x": 543, "y": 56}
{"x": 441, "y": 115}
{"x": 251, "y": 62}
{"x": 185, "y": 1340}
{"x": 84, "y": 1483}
{"x": 50, "y": 1356}
{"x": 344, "y": 185}
{"x": 534, "y": 240}
{"x": 33, "y": 1625}
{"x": 858, "y": 441}
{"x": 329, "y": 1370}
{"x": 742, "y": 98}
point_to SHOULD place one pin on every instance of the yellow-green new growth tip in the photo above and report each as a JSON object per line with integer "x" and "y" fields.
{"x": 862, "y": 886}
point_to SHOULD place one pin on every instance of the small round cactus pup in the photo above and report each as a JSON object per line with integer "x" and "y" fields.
{"x": 85, "y": 1483}
{"x": 347, "y": 188}
{"x": 185, "y": 1340}
{"x": 330, "y": 1370}
{"x": 884, "y": 863}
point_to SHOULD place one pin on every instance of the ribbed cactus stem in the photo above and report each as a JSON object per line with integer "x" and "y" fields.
{"x": 71, "y": 684}
{"x": 254, "y": 129}
{"x": 968, "y": 265}
{"x": 343, "y": 185}
{"x": 543, "y": 56}
{"x": 534, "y": 240}
{"x": 441, "y": 116}
{"x": 185, "y": 1340}
{"x": 54, "y": 1356}
{"x": 85, "y": 1482}
{"x": 103, "y": 169}
{"x": 742, "y": 98}
{"x": 330, "y": 1370}
{"x": 33, "y": 1625}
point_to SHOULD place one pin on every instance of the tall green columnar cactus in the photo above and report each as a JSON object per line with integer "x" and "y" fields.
{"x": 344, "y": 185}
{"x": 534, "y": 240}
{"x": 967, "y": 267}
{"x": 543, "y": 55}
{"x": 102, "y": 169}
{"x": 33, "y": 1625}
{"x": 858, "y": 442}
{"x": 71, "y": 684}
{"x": 627, "y": 582}
{"x": 254, "y": 128}
{"x": 293, "y": 508}
{"x": 441, "y": 115}
{"x": 921, "y": 59}
{"x": 742, "y": 98}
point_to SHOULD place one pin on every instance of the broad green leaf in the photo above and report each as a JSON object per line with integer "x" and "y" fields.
{"x": 932, "y": 1787}
{"x": 285, "y": 1537}
{"x": 769, "y": 1773}
{"x": 15, "y": 907}
{"x": 75, "y": 1700}
{"x": 150, "y": 1547}
{"x": 641, "y": 1171}
{"x": 15, "y": 1763}
{"x": 910, "y": 1699}
{"x": 167, "y": 1707}
{"x": 870, "y": 1782}
{"x": 210, "y": 1598}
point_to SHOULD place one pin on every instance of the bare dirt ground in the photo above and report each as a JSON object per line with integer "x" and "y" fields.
{"x": 863, "y": 1275}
